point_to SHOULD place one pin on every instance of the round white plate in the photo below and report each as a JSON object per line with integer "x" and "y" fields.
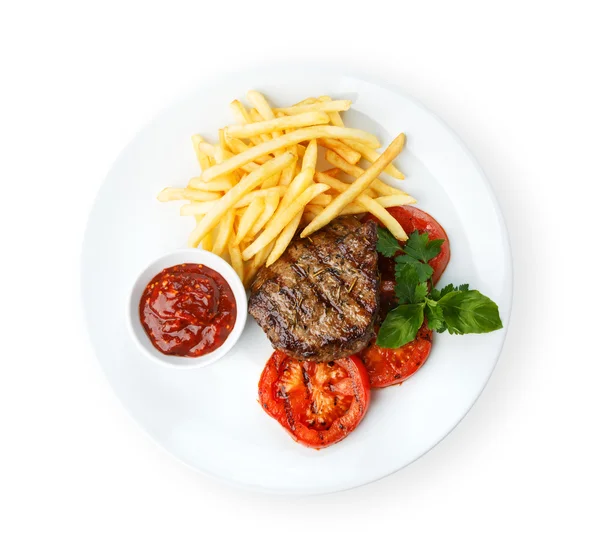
{"x": 209, "y": 418}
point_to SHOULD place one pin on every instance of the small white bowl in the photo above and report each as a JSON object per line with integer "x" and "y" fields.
{"x": 193, "y": 256}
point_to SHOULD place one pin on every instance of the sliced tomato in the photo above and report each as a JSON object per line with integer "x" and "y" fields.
{"x": 318, "y": 403}
{"x": 387, "y": 367}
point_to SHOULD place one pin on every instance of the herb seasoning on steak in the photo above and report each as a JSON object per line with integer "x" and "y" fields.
{"x": 320, "y": 299}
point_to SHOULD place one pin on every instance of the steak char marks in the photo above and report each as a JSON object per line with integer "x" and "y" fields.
{"x": 319, "y": 300}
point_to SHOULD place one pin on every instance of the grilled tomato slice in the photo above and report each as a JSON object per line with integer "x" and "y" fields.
{"x": 387, "y": 367}
{"x": 318, "y": 403}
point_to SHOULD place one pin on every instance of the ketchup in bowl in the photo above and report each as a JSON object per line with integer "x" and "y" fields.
{"x": 188, "y": 310}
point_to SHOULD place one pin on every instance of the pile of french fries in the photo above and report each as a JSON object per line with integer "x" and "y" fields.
{"x": 259, "y": 184}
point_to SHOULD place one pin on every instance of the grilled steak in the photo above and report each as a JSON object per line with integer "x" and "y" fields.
{"x": 319, "y": 300}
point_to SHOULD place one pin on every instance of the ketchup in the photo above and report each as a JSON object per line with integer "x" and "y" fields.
{"x": 188, "y": 310}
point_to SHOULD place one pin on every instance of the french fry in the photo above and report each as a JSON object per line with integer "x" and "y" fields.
{"x": 271, "y": 181}
{"x": 322, "y": 199}
{"x": 395, "y": 200}
{"x": 250, "y": 216}
{"x": 313, "y": 209}
{"x": 224, "y": 234}
{"x": 277, "y": 124}
{"x": 196, "y": 208}
{"x": 271, "y": 203}
{"x": 256, "y": 188}
{"x": 287, "y": 140}
{"x": 219, "y": 155}
{"x": 236, "y": 146}
{"x": 173, "y": 194}
{"x": 256, "y": 118}
{"x": 334, "y": 116}
{"x": 298, "y": 185}
{"x": 206, "y": 243}
{"x": 284, "y": 239}
{"x": 206, "y": 148}
{"x": 232, "y": 147}
{"x": 307, "y": 101}
{"x": 240, "y": 114}
{"x": 308, "y": 216}
{"x": 371, "y": 155}
{"x": 255, "y": 264}
{"x": 382, "y": 214}
{"x": 355, "y": 189}
{"x": 288, "y": 174}
{"x": 339, "y": 186}
{"x": 345, "y": 152}
{"x": 224, "y": 155}
{"x": 351, "y": 209}
{"x": 310, "y": 156}
{"x": 203, "y": 160}
{"x": 258, "y": 101}
{"x": 326, "y": 106}
{"x": 381, "y": 187}
{"x": 364, "y": 203}
{"x": 221, "y": 184}
{"x": 236, "y": 260}
{"x": 263, "y": 193}
{"x": 236, "y": 193}
{"x": 278, "y": 223}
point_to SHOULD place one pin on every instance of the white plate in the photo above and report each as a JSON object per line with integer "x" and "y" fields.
{"x": 210, "y": 418}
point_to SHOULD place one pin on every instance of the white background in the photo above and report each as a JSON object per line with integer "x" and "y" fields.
{"x": 518, "y": 81}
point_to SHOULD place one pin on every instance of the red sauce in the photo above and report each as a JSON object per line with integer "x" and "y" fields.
{"x": 188, "y": 310}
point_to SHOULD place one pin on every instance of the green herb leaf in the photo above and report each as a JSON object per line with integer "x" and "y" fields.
{"x": 434, "y": 315}
{"x": 407, "y": 280}
{"x": 421, "y": 248}
{"x": 400, "y": 326}
{"x": 456, "y": 309}
{"x": 424, "y": 271}
{"x": 447, "y": 289}
{"x": 420, "y": 292}
{"x": 408, "y": 287}
{"x": 386, "y": 243}
{"x": 469, "y": 312}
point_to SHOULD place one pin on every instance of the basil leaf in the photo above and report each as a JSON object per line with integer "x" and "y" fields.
{"x": 386, "y": 243}
{"x": 400, "y": 326}
{"x": 469, "y": 312}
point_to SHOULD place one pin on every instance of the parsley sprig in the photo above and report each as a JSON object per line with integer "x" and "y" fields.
{"x": 458, "y": 310}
